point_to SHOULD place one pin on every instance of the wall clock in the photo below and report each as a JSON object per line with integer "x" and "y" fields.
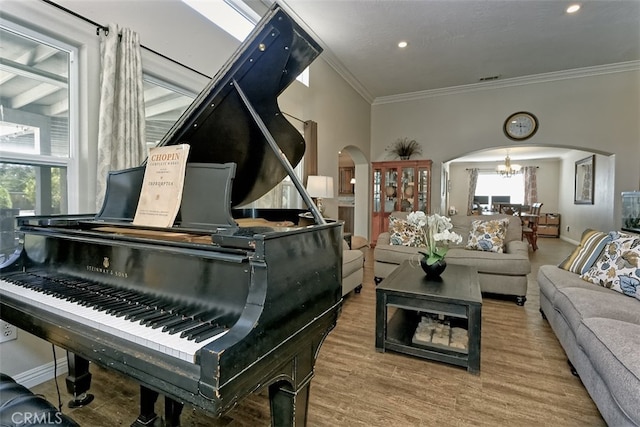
{"x": 520, "y": 126}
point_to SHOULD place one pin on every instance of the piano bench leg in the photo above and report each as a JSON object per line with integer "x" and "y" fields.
{"x": 288, "y": 407}
{"x": 148, "y": 416}
{"x": 78, "y": 381}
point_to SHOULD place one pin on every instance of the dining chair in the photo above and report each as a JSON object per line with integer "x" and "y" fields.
{"x": 530, "y": 225}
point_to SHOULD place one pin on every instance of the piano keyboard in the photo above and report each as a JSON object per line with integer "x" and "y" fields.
{"x": 156, "y": 323}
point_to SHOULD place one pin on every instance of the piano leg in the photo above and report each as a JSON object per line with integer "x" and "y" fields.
{"x": 148, "y": 416}
{"x": 78, "y": 381}
{"x": 172, "y": 411}
{"x": 288, "y": 406}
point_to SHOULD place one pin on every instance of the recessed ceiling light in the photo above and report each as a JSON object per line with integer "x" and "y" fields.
{"x": 573, "y": 8}
{"x": 403, "y": 44}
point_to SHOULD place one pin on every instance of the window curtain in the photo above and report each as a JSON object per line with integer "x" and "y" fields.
{"x": 530, "y": 185}
{"x": 121, "y": 131}
{"x": 473, "y": 182}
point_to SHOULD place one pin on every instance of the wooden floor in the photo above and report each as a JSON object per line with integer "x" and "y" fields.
{"x": 524, "y": 379}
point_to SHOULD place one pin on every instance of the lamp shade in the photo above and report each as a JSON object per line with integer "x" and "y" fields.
{"x": 320, "y": 186}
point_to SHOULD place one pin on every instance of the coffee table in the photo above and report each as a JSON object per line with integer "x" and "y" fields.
{"x": 406, "y": 298}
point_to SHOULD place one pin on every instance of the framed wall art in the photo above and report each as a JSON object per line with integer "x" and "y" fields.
{"x": 585, "y": 181}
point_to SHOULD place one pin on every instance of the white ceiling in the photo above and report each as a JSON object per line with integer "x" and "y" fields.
{"x": 455, "y": 43}
{"x": 458, "y": 42}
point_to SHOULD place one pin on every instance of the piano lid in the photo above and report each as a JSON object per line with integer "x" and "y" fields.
{"x": 219, "y": 127}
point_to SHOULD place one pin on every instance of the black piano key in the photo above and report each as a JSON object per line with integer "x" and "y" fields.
{"x": 111, "y": 306}
{"x": 211, "y": 316}
{"x": 196, "y": 331}
{"x": 140, "y": 316}
{"x": 159, "y": 314}
{"x": 191, "y": 311}
{"x": 181, "y": 326}
{"x": 126, "y": 311}
{"x": 133, "y": 315}
{"x": 91, "y": 300}
{"x": 214, "y": 330}
{"x": 172, "y": 317}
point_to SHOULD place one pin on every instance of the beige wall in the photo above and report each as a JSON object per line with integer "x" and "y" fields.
{"x": 596, "y": 113}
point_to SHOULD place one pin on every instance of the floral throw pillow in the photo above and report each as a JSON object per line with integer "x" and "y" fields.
{"x": 401, "y": 232}
{"x": 488, "y": 235}
{"x": 618, "y": 267}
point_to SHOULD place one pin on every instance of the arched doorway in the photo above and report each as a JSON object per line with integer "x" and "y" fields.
{"x": 556, "y": 180}
{"x": 353, "y": 190}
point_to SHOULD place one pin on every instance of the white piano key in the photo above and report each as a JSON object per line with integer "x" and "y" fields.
{"x": 154, "y": 339}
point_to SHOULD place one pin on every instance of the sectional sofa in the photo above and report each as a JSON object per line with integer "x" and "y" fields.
{"x": 599, "y": 327}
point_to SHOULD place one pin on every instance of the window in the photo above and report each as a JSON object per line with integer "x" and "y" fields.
{"x": 38, "y": 83}
{"x": 164, "y": 103}
{"x": 493, "y": 188}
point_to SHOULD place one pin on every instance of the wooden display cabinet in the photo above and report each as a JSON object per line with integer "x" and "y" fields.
{"x": 402, "y": 185}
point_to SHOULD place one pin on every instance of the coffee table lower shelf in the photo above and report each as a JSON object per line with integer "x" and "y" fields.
{"x": 400, "y": 330}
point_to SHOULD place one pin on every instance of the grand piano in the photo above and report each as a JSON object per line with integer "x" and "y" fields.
{"x": 225, "y": 302}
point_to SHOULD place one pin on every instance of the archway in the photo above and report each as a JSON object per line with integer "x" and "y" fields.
{"x": 358, "y": 200}
{"x": 556, "y": 167}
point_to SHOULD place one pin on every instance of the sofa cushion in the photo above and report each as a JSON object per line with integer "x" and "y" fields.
{"x": 552, "y": 278}
{"x": 576, "y": 304}
{"x": 587, "y": 252}
{"x": 506, "y": 264}
{"x": 352, "y": 261}
{"x": 616, "y": 358}
{"x": 618, "y": 267}
{"x": 402, "y": 232}
{"x": 488, "y": 235}
{"x": 395, "y": 254}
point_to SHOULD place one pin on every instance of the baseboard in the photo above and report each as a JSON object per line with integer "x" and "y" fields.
{"x": 41, "y": 373}
{"x": 566, "y": 239}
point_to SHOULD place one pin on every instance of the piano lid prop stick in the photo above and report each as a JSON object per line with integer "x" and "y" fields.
{"x": 280, "y": 155}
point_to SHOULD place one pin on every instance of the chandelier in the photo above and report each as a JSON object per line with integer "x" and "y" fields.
{"x": 508, "y": 170}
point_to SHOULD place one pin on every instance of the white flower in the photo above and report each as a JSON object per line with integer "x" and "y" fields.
{"x": 434, "y": 228}
{"x": 447, "y": 236}
{"x": 417, "y": 218}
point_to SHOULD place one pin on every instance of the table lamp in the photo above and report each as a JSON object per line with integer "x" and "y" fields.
{"x": 320, "y": 187}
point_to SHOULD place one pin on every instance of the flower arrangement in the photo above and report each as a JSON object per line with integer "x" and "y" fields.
{"x": 436, "y": 233}
{"x": 404, "y": 148}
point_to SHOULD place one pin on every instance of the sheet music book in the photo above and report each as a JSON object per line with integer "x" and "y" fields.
{"x": 161, "y": 192}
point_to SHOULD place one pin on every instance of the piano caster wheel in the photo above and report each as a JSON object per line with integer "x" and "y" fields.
{"x": 82, "y": 400}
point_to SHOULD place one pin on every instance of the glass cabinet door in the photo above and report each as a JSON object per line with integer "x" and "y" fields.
{"x": 391, "y": 190}
{"x": 377, "y": 177}
{"x": 424, "y": 185}
{"x": 408, "y": 189}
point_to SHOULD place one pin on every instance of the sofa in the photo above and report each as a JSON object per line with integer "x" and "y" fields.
{"x": 352, "y": 269}
{"x": 499, "y": 273}
{"x": 599, "y": 330}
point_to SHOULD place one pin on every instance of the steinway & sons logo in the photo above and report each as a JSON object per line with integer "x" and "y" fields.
{"x": 104, "y": 269}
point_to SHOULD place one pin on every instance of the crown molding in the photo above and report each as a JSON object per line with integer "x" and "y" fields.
{"x": 516, "y": 81}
